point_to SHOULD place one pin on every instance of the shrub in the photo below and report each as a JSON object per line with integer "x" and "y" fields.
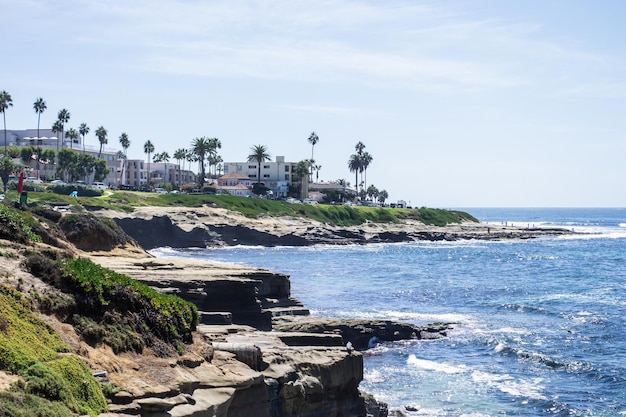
{"x": 82, "y": 190}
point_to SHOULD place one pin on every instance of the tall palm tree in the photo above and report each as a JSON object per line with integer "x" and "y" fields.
{"x": 101, "y": 134}
{"x": 180, "y": 155}
{"x": 73, "y": 135}
{"x": 259, "y": 154}
{"x": 201, "y": 147}
{"x": 125, "y": 144}
{"x": 366, "y": 160}
{"x": 165, "y": 158}
{"x": 191, "y": 157}
{"x": 40, "y": 106}
{"x": 214, "y": 145}
{"x": 148, "y": 148}
{"x": 64, "y": 117}
{"x": 5, "y": 102}
{"x": 83, "y": 130}
{"x": 313, "y": 140}
{"x": 359, "y": 148}
{"x": 302, "y": 173}
{"x": 354, "y": 165}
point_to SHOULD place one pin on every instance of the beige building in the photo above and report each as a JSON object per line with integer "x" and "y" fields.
{"x": 276, "y": 175}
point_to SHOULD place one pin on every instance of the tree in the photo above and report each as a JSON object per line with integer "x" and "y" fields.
{"x": 100, "y": 170}
{"x": 382, "y": 196}
{"x": 313, "y": 140}
{"x": 40, "y": 107}
{"x": 5, "y": 102}
{"x": 214, "y": 145}
{"x": 6, "y": 168}
{"x": 317, "y": 172}
{"x": 259, "y": 154}
{"x": 200, "y": 148}
{"x": 72, "y": 134}
{"x": 359, "y": 148}
{"x": 101, "y": 134}
{"x": 148, "y": 148}
{"x": 366, "y": 160}
{"x": 165, "y": 158}
{"x": 67, "y": 165}
{"x": 302, "y": 173}
{"x": 83, "y": 130}
{"x": 125, "y": 144}
{"x": 354, "y": 165}
{"x": 180, "y": 155}
{"x": 372, "y": 192}
{"x": 64, "y": 117}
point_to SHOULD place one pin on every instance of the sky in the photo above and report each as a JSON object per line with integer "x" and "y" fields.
{"x": 461, "y": 103}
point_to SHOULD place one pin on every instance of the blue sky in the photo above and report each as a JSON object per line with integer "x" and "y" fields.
{"x": 461, "y": 103}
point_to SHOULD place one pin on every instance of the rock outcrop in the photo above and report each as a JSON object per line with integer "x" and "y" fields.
{"x": 209, "y": 226}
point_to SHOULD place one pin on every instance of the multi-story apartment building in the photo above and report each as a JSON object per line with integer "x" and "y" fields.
{"x": 49, "y": 140}
{"x": 276, "y": 175}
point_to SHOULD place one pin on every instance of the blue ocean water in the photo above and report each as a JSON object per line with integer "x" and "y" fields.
{"x": 538, "y": 325}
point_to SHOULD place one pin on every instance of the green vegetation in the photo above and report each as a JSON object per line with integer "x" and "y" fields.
{"x": 106, "y": 294}
{"x": 31, "y": 349}
{"x": 16, "y": 226}
{"x": 255, "y": 207}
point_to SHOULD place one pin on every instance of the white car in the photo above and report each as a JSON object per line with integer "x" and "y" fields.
{"x": 160, "y": 190}
{"x": 309, "y": 201}
{"x": 99, "y": 185}
{"x": 34, "y": 180}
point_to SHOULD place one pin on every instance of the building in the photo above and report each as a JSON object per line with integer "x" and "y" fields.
{"x": 276, "y": 175}
{"x": 136, "y": 173}
{"x": 49, "y": 140}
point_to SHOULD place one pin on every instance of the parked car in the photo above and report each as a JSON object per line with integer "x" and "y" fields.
{"x": 99, "y": 185}
{"x": 159, "y": 190}
{"x": 34, "y": 180}
{"x": 57, "y": 182}
{"x": 309, "y": 201}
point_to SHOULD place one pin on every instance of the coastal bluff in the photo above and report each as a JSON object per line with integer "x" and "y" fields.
{"x": 184, "y": 227}
{"x": 239, "y": 367}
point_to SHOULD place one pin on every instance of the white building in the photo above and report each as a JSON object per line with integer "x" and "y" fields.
{"x": 275, "y": 175}
{"x": 49, "y": 140}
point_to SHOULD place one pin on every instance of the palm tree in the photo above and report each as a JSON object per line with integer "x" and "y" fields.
{"x": 313, "y": 140}
{"x": 359, "y": 148}
{"x": 148, "y": 148}
{"x": 201, "y": 147}
{"x": 64, "y": 117}
{"x": 180, "y": 155}
{"x": 101, "y": 134}
{"x": 192, "y": 157}
{"x": 259, "y": 154}
{"x": 125, "y": 144}
{"x": 72, "y": 134}
{"x": 354, "y": 165}
{"x": 366, "y": 160}
{"x": 5, "y": 102}
{"x": 317, "y": 172}
{"x": 83, "y": 130}
{"x": 163, "y": 157}
{"x": 302, "y": 172}
{"x": 214, "y": 145}
{"x": 40, "y": 107}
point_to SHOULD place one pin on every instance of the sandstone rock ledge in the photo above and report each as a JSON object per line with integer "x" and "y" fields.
{"x": 182, "y": 227}
{"x": 236, "y": 367}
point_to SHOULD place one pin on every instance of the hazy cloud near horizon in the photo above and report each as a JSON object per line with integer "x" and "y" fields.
{"x": 462, "y": 103}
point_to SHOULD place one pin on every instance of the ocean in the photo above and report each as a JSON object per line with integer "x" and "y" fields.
{"x": 539, "y": 325}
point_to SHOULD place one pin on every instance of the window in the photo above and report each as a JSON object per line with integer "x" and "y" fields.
{"x": 251, "y": 175}
{"x": 251, "y": 166}
{"x": 266, "y": 167}
{"x": 286, "y": 168}
{"x": 287, "y": 177}
{"x": 266, "y": 175}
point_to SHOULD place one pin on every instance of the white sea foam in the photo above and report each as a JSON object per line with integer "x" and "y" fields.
{"x": 528, "y": 388}
{"x": 435, "y": 366}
